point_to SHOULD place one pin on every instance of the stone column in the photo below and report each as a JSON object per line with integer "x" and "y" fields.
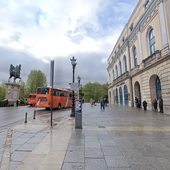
{"x": 140, "y": 46}
{"x": 163, "y": 28}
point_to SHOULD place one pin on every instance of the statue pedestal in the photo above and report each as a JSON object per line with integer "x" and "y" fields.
{"x": 12, "y": 92}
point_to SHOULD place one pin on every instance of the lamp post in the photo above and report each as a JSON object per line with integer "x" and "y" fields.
{"x": 73, "y": 62}
{"x": 79, "y": 78}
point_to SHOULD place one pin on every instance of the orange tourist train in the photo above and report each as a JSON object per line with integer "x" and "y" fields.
{"x": 62, "y": 98}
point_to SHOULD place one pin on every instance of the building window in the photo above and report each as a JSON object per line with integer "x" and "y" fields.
{"x": 119, "y": 46}
{"x": 146, "y": 4}
{"x": 158, "y": 88}
{"x": 152, "y": 42}
{"x": 125, "y": 63}
{"x": 120, "y": 66}
{"x": 113, "y": 75}
{"x": 135, "y": 56}
{"x": 116, "y": 96}
{"x": 116, "y": 72}
{"x": 109, "y": 78}
{"x": 123, "y": 39}
{"x": 131, "y": 27}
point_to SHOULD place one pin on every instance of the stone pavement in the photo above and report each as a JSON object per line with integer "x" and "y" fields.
{"x": 119, "y": 138}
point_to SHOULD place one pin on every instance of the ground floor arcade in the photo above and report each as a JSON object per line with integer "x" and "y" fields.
{"x": 147, "y": 83}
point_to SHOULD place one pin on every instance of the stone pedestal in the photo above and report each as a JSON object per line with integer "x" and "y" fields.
{"x": 12, "y": 92}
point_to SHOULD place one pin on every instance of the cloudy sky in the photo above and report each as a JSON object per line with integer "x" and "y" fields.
{"x": 33, "y": 32}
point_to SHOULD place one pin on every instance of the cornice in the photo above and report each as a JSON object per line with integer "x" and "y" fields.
{"x": 147, "y": 15}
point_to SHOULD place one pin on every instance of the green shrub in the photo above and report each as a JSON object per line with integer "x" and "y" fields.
{"x": 9, "y": 105}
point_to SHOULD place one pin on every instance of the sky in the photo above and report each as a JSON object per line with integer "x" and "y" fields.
{"x": 33, "y": 32}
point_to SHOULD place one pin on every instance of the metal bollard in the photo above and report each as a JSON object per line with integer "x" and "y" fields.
{"x": 25, "y": 117}
{"x": 34, "y": 114}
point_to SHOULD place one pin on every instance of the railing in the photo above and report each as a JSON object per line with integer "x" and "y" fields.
{"x": 135, "y": 70}
{"x": 119, "y": 79}
{"x": 152, "y": 58}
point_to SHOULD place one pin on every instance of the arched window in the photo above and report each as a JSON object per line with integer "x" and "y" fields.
{"x": 126, "y": 95}
{"x": 120, "y": 66}
{"x": 158, "y": 88}
{"x": 109, "y": 78}
{"x": 116, "y": 96}
{"x": 116, "y": 72}
{"x": 152, "y": 42}
{"x": 120, "y": 96}
{"x": 135, "y": 56}
{"x": 113, "y": 75}
{"x": 125, "y": 63}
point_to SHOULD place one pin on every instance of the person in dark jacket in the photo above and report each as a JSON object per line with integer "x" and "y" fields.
{"x": 155, "y": 105}
{"x": 136, "y": 101}
{"x": 102, "y": 104}
{"x": 160, "y": 105}
{"x": 144, "y": 104}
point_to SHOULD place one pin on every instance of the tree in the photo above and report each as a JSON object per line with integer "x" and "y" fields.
{"x": 2, "y": 91}
{"x": 95, "y": 91}
{"x": 35, "y": 79}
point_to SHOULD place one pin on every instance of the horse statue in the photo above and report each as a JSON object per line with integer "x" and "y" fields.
{"x": 14, "y": 72}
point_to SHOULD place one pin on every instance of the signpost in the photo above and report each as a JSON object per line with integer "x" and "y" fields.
{"x": 51, "y": 84}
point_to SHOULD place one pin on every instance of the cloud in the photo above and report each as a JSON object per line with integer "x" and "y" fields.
{"x": 34, "y": 32}
{"x": 89, "y": 66}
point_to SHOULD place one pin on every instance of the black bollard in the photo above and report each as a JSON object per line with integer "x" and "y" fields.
{"x": 34, "y": 114}
{"x": 25, "y": 117}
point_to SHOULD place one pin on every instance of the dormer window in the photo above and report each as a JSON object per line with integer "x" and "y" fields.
{"x": 146, "y": 4}
{"x": 131, "y": 27}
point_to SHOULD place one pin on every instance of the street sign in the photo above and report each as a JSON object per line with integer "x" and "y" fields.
{"x": 74, "y": 86}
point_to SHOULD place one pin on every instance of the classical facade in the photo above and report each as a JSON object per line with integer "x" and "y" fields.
{"x": 139, "y": 65}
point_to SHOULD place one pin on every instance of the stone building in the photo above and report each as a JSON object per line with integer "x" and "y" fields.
{"x": 139, "y": 64}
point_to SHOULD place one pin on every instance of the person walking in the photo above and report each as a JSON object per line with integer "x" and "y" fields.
{"x": 91, "y": 102}
{"x": 155, "y": 105}
{"x": 144, "y": 105}
{"x": 160, "y": 105}
{"x": 102, "y": 104}
{"x": 105, "y": 102}
{"x": 136, "y": 101}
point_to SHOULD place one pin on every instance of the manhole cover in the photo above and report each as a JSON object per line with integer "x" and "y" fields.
{"x": 101, "y": 126}
{"x": 78, "y": 167}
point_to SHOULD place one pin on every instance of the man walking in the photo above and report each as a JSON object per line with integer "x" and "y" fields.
{"x": 160, "y": 105}
{"x": 144, "y": 104}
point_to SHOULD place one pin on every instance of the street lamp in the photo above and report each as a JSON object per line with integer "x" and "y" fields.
{"x": 79, "y": 78}
{"x": 73, "y": 62}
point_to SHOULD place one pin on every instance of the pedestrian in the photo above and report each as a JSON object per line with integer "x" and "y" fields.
{"x": 144, "y": 105}
{"x": 105, "y": 101}
{"x": 91, "y": 102}
{"x": 155, "y": 105}
{"x": 160, "y": 105}
{"x": 102, "y": 104}
{"x": 94, "y": 102}
{"x": 136, "y": 101}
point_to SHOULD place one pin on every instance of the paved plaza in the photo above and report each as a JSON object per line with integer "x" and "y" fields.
{"x": 119, "y": 138}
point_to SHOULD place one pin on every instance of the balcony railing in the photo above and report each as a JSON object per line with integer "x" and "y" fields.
{"x": 119, "y": 79}
{"x": 135, "y": 70}
{"x": 152, "y": 58}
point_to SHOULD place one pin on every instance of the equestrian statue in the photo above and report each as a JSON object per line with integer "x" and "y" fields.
{"x": 14, "y": 72}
